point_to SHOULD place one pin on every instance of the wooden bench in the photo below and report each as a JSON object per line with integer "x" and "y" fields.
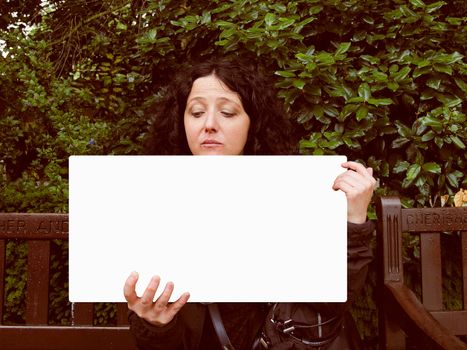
{"x": 400, "y": 312}
{"x": 38, "y": 230}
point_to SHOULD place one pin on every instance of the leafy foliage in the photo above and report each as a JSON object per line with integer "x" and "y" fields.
{"x": 381, "y": 81}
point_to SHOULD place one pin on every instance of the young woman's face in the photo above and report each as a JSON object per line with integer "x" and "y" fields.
{"x": 215, "y": 121}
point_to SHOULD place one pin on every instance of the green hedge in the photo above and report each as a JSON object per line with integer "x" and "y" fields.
{"x": 381, "y": 81}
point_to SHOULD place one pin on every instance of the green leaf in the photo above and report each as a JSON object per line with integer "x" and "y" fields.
{"x": 285, "y": 74}
{"x": 462, "y": 84}
{"x": 457, "y": 141}
{"x": 431, "y": 121}
{"x": 452, "y": 102}
{"x": 331, "y": 111}
{"x": 368, "y": 20}
{"x": 121, "y": 26}
{"x": 343, "y": 48}
{"x": 206, "y": 17}
{"x": 403, "y": 130}
{"x": 304, "y": 57}
{"x": 304, "y": 117}
{"x": 428, "y": 136}
{"x": 224, "y": 24}
{"x": 379, "y": 76}
{"x": 455, "y": 21}
{"x": 399, "y": 142}
{"x": 413, "y": 172}
{"x": 331, "y": 144}
{"x": 393, "y": 86}
{"x": 443, "y": 68}
{"x": 285, "y": 22}
{"x": 313, "y": 10}
{"x": 269, "y": 19}
{"x": 313, "y": 90}
{"x": 325, "y": 58}
{"x": 364, "y": 91}
{"x": 227, "y": 33}
{"x": 453, "y": 180}
{"x": 435, "y": 6}
{"x": 318, "y": 111}
{"x": 434, "y": 83}
{"x": 280, "y": 8}
{"x": 371, "y": 59}
{"x": 402, "y": 74}
{"x": 417, "y": 3}
{"x": 448, "y": 59}
{"x": 432, "y": 168}
{"x": 299, "y": 84}
{"x": 439, "y": 142}
{"x": 401, "y": 166}
{"x": 362, "y": 112}
{"x": 355, "y": 100}
{"x": 380, "y": 101}
{"x": 407, "y": 12}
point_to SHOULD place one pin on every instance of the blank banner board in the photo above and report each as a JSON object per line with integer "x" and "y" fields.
{"x": 224, "y": 228}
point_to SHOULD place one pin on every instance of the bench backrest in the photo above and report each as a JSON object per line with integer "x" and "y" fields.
{"x": 38, "y": 230}
{"x": 429, "y": 223}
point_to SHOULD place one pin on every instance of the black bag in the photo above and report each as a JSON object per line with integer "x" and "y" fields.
{"x": 301, "y": 326}
{"x": 293, "y": 326}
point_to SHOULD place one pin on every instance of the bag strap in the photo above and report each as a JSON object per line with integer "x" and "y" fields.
{"x": 219, "y": 327}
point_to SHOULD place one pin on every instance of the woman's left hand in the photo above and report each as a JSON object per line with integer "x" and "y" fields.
{"x": 358, "y": 184}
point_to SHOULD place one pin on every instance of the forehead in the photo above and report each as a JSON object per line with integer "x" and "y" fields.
{"x": 212, "y": 88}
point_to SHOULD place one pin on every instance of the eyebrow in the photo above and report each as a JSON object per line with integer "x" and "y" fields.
{"x": 219, "y": 98}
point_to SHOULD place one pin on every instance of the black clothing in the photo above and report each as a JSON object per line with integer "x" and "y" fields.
{"x": 188, "y": 331}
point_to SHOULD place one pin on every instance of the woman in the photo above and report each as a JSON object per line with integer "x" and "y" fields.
{"x": 228, "y": 107}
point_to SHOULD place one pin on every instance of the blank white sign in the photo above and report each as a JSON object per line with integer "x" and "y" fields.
{"x": 233, "y": 228}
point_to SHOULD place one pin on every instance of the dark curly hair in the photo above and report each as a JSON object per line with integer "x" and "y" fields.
{"x": 269, "y": 132}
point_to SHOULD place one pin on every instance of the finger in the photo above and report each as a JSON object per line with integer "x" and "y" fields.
{"x": 163, "y": 299}
{"x": 345, "y": 187}
{"x": 359, "y": 168}
{"x": 129, "y": 289}
{"x": 175, "y": 307}
{"x": 148, "y": 295}
{"x": 358, "y": 180}
{"x": 370, "y": 171}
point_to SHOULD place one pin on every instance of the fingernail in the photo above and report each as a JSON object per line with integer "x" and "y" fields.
{"x": 134, "y": 274}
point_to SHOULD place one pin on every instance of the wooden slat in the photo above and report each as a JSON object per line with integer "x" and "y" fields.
{"x": 430, "y": 257}
{"x": 389, "y": 239}
{"x": 33, "y": 226}
{"x": 83, "y": 314}
{"x": 122, "y": 314}
{"x": 394, "y": 338}
{"x": 2, "y": 276}
{"x": 70, "y": 338}
{"x": 37, "y": 296}
{"x": 405, "y": 308}
{"x": 434, "y": 219}
{"x": 454, "y": 321}
{"x": 464, "y": 268}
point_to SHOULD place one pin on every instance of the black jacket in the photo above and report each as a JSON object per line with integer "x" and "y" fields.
{"x": 185, "y": 330}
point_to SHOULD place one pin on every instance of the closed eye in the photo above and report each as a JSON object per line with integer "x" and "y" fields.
{"x": 227, "y": 114}
{"x": 197, "y": 114}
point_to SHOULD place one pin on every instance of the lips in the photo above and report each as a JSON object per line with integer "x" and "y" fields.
{"x": 211, "y": 143}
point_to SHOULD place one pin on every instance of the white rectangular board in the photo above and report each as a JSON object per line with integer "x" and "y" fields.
{"x": 224, "y": 228}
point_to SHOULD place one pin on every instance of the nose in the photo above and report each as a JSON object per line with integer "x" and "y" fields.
{"x": 211, "y": 123}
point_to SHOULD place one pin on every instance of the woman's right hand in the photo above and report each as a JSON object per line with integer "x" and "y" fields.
{"x": 158, "y": 313}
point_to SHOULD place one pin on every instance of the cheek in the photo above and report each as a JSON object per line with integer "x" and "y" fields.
{"x": 239, "y": 131}
{"x": 190, "y": 128}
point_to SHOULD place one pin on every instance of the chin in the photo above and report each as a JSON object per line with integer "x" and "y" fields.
{"x": 211, "y": 152}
